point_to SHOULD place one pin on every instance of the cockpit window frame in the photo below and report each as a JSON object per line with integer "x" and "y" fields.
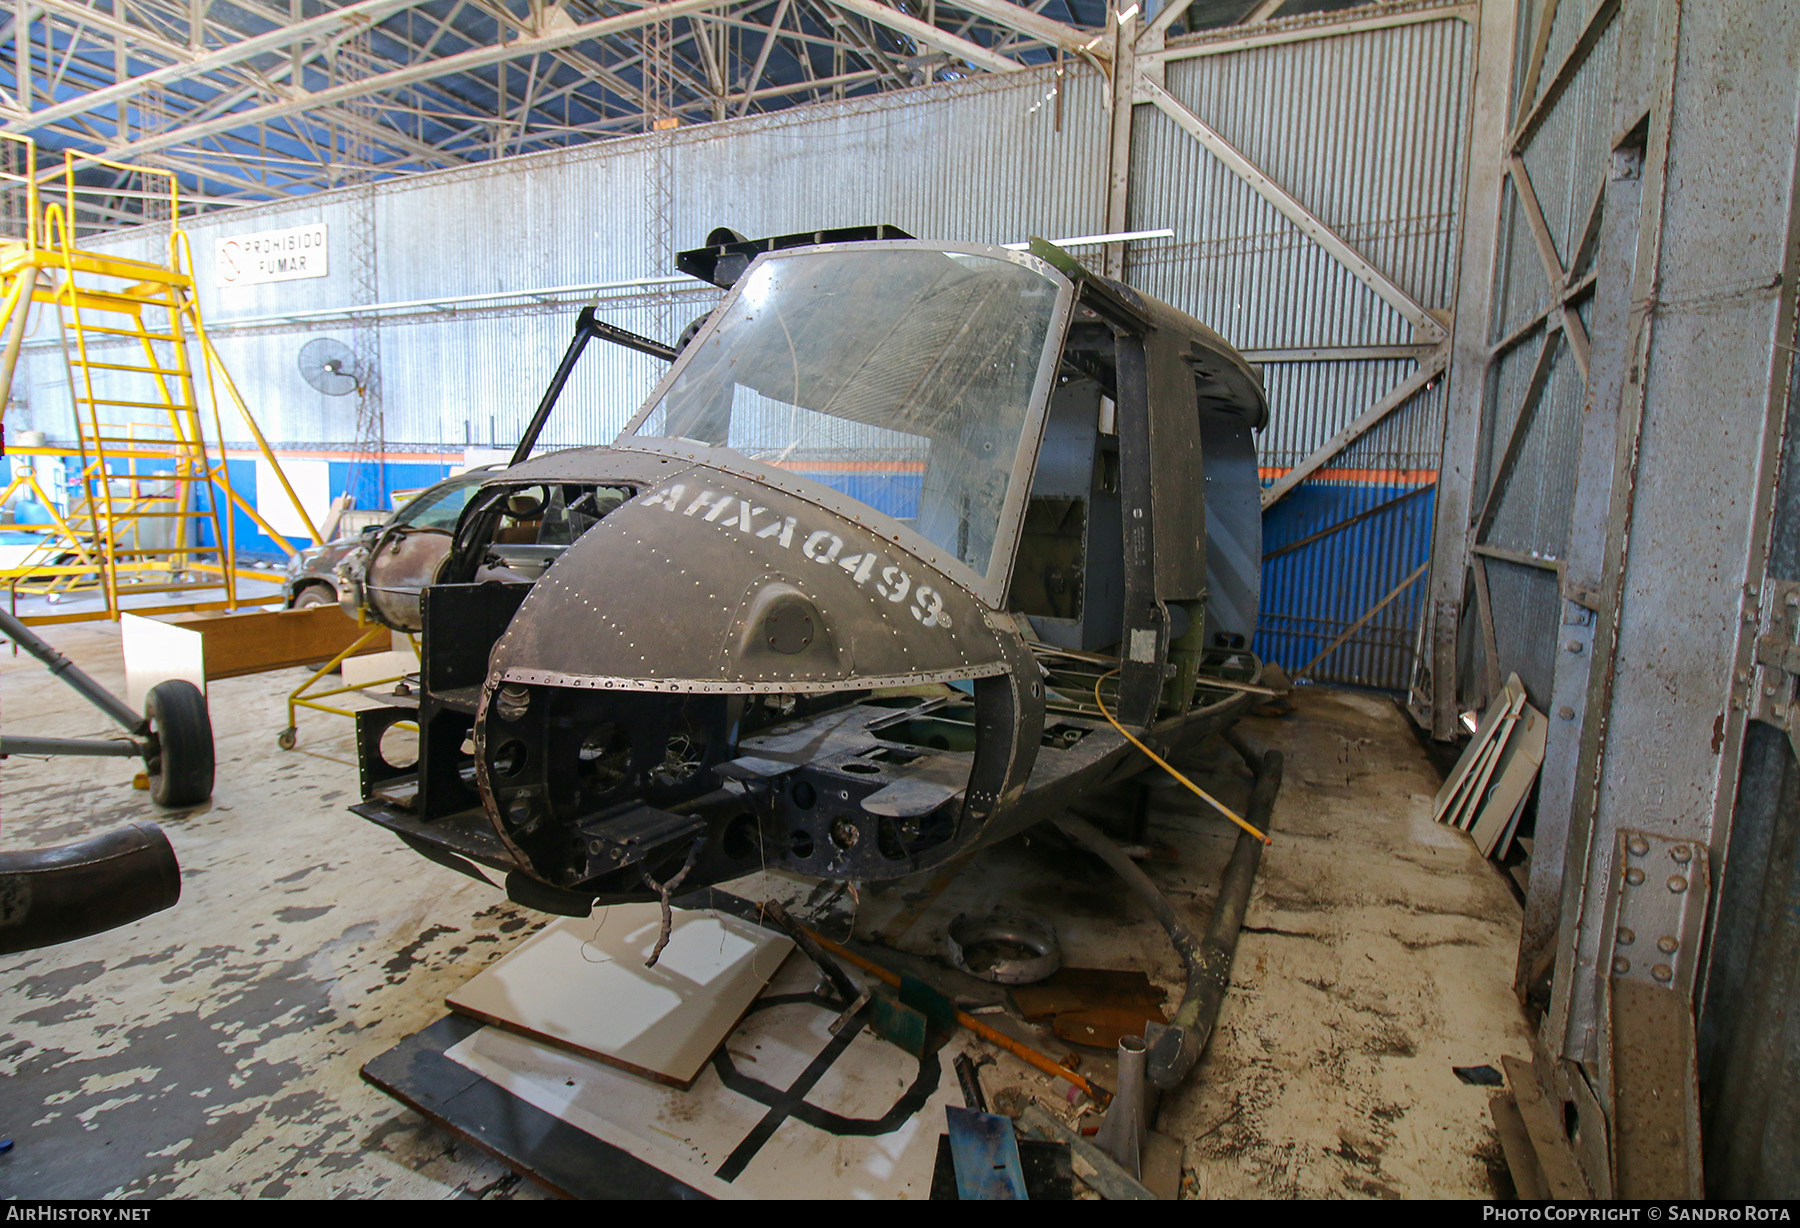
{"x": 992, "y": 585}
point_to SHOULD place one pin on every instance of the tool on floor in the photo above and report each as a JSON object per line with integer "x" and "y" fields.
{"x": 968, "y": 1074}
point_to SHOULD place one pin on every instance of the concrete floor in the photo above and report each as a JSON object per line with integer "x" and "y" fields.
{"x": 213, "y": 1050}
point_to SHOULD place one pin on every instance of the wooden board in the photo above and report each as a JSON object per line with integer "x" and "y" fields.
{"x": 1103, "y": 1027}
{"x": 212, "y": 644}
{"x": 1543, "y": 1121}
{"x": 1464, "y": 815}
{"x": 365, "y": 668}
{"x": 1076, "y": 989}
{"x": 1515, "y": 1144}
{"x": 785, "y": 1109}
{"x": 1490, "y": 721}
{"x": 581, "y": 984}
{"x": 1451, "y": 814}
{"x": 1512, "y": 779}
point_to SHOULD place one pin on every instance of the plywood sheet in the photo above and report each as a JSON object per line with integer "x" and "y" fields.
{"x": 1079, "y": 989}
{"x": 1464, "y": 815}
{"x": 213, "y": 644}
{"x": 1495, "y": 724}
{"x": 1484, "y": 733}
{"x": 378, "y": 667}
{"x": 581, "y": 984}
{"x": 157, "y": 652}
{"x": 1512, "y": 779}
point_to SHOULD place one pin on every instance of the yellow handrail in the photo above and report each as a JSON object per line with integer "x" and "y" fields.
{"x": 117, "y": 528}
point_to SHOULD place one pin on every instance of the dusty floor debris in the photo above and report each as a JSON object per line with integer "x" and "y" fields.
{"x": 214, "y": 1049}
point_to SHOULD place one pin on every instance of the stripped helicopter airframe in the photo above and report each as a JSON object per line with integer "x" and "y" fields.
{"x": 865, "y": 584}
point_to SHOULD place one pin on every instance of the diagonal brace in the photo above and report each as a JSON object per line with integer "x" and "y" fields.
{"x": 1429, "y": 370}
{"x": 1427, "y": 325}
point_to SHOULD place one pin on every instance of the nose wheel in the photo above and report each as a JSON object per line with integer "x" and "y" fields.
{"x": 178, "y": 758}
{"x": 286, "y": 738}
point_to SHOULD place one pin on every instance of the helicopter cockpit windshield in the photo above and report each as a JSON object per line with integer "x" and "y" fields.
{"x": 906, "y": 376}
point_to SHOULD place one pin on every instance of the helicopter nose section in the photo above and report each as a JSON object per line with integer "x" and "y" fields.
{"x": 714, "y": 583}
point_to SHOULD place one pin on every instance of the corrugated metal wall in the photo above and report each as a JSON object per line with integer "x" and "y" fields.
{"x": 1368, "y": 133}
{"x": 981, "y": 160}
{"x": 1566, "y": 158}
{"x": 1367, "y": 130}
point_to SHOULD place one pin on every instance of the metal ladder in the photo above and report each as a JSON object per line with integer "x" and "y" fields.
{"x": 152, "y": 515}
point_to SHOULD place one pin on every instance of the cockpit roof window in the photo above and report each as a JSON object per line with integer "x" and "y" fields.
{"x": 906, "y": 376}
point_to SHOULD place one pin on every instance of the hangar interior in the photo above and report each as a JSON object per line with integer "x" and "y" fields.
{"x": 1474, "y": 582}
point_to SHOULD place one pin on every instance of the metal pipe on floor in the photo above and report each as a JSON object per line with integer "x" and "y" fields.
{"x": 1175, "y": 1049}
{"x": 1177, "y": 1046}
{"x": 1133, "y": 1108}
{"x": 70, "y": 891}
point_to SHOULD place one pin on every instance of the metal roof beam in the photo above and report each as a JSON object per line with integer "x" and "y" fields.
{"x": 345, "y": 20}
{"x": 762, "y": 54}
{"x": 930, "y": 35}
{"x": 82, "y": 15}
{"x": 1072, "y": 39}
{"x": 415, "y": 73}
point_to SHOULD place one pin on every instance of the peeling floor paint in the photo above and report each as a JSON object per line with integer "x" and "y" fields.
{"x": 214, "y": 1049}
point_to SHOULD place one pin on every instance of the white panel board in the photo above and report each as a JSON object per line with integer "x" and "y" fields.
{"x": 581, "y": 983}
{"x": 155, "y": 652}
{"x": 692, "y": 1134}
{"x": 311, "y": 480}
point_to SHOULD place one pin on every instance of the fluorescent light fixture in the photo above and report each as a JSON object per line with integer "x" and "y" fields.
{"x": 1123, "y": 236}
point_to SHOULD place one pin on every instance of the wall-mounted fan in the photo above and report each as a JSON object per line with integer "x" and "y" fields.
{"x": 330, "y": 366}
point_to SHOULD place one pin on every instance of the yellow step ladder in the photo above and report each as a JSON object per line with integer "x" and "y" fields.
{"x": 150, "y": 510}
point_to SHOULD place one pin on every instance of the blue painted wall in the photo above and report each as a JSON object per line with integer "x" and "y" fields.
{"x": 375, "y": 488}
{"x": 1310, "y": 595}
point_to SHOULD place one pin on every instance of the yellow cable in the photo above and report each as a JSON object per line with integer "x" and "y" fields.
{"x": 1162, "y": 763}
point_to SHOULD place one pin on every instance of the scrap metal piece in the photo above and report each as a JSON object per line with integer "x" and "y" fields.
{"x": 1128, "y": 1118}
{"x": 986, "y": 1155}
{"x": 852, "y": 1011}
{"x": 1010, "y": 948}
{"x": 840, "y": 981}
{"x": 1093, "y": 1165}
{"x": 1774, "y": 689}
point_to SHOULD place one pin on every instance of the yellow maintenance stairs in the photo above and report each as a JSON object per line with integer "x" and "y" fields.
{"x": 149, "y": 512}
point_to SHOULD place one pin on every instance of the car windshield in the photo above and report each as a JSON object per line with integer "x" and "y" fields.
{"x": 904, "y": 377}
{"x": 439, "y": 508}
